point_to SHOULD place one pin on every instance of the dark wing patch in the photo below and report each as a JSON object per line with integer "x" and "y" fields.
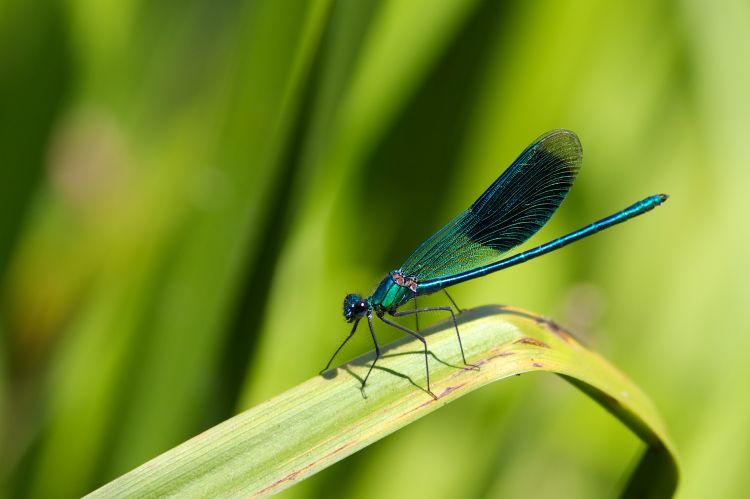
{"x": 508, "y": 213}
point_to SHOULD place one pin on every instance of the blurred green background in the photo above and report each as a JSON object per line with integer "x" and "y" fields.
{"x": 188, "y": 189}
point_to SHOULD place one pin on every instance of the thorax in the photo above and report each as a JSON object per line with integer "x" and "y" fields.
{"x": 392, "y": 292}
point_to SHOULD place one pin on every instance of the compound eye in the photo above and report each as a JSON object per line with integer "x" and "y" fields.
{"x": 361, "y": 306}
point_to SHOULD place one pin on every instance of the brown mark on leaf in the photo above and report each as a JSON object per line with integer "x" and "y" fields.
{"x": 472, "y": 367}
{"x": 532, "y": 341}
{"x": 450, "y": 389}
{"x": 564, "y": 335}
{"x": 537, "y": 364}
{"x": 504, "y": 353}
{"x": 424, "y": 404}
{"x": 293, "y": 475}
{"x": 558, "y": 330}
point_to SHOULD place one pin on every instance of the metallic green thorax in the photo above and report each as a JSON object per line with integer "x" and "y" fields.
{"x": 392, "y": 292}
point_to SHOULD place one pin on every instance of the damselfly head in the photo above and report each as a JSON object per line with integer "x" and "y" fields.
{"x": 355, "y": 307}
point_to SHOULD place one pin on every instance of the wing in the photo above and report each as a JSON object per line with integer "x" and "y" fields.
{"x": 508, "y": 213}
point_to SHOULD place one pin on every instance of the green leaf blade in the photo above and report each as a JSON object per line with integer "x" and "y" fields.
{"x": 321, "y": 421}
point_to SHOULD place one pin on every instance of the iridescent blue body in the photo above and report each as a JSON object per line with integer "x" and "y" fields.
{"x": 651, "y": 202}
{"x": 508, "y": 213}
{"x": 389, "y": 295}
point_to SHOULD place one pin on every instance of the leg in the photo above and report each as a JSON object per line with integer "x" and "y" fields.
{"x": 416, "y": 314}
{"x": 420, "y": 338}
{"x": 340, "y": 347}
{"x": 377, "y": 350}
{"x": 458, "y": 309}
{"x": 455, "y": 324}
